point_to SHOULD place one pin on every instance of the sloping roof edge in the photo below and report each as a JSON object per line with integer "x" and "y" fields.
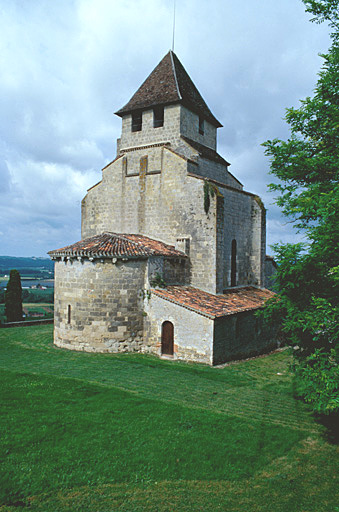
{"x": 205, "y": 151}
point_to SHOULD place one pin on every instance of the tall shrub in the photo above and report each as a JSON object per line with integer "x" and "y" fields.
{"x": 307, "y": 167}
{"x": 13, "y": 297}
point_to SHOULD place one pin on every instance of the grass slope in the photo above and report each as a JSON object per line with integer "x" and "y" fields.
{"x": 130, "y": 433}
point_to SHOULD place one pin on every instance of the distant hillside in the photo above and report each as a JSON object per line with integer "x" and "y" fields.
{"x": 25, "y": 265}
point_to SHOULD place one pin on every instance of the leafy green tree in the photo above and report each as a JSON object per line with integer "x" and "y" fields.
{"x": 307, "y": 166}
{"x": 13, "y": 298}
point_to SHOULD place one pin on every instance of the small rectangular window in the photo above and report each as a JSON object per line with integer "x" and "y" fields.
{"x": 201, "y": 126}
{"x": 158, "y": 116}
{"x": 136, "y": 121}
{"x": 69, "y": 314}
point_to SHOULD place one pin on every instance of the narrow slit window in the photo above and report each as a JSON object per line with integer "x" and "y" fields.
{"x": 136, "y": 121}
{"x": 201, "y": 125}
{"x": 234, "y": 263}
{"x": 158, "y": 117}
{"x": 69, "y": 312}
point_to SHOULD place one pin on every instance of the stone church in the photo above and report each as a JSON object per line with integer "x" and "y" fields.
{"x": 172, "y": 255}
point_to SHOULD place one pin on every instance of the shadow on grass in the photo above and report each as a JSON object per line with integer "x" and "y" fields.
{"x": 331, "y": 424}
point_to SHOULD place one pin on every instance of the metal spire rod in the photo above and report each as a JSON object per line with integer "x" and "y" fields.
{"x": 174, "y": 1}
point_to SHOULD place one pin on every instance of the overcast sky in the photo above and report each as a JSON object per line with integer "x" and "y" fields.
{"x": 67, "y": 65}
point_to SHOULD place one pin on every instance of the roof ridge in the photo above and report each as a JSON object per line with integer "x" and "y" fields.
{"x": 175, "y": 74}
{"x": 124, "y": 237}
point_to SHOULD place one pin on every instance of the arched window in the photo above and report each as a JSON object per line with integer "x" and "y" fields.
{"x": 234, "y": 263}
{"x": 167, "y": 338}
{"x": 69, "y": 311}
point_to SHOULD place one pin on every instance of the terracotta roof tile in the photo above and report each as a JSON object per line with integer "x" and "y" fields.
{"x": 235, "y": 300}
{"x": 118, "y": 245}
{"x": 169, "y": 83}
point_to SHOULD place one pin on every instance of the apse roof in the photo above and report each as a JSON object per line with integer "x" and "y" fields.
{"x": 168, "y": 83}
{"x": 107, "y": 245}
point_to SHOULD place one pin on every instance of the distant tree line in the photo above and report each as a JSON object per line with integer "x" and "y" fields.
{"x": 34, "y": 272}
{"x": 35, "y": 296}
{"x": 9, "y": 262}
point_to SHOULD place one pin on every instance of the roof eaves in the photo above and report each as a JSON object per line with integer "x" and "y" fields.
{"x": 147, "y": 106}
{"x": 96, "y": 255}
{"x": 206, "y": 152}
{"x": 218, "y": 314}
{"x": 220, "y": 184}
{"x": 116, "y": 245}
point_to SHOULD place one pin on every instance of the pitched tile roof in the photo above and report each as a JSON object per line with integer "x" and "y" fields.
{"x": 168, "y": 83}
{"x": 108, "y": 245}
{"x": 235, "y": 300}
{"x": 205, "y": 152}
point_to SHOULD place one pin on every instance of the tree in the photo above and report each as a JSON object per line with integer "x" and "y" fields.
{"x": 13, "y": 297}
{"x": 307, "y": 166}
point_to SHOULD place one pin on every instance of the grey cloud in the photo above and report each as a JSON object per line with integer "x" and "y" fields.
{"x": 66, "y": 66}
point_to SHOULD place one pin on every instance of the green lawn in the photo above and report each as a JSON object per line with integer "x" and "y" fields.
{"x": 99, "y": 432}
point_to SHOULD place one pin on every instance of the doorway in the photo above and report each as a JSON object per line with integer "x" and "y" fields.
{"x": 167, "y": 339}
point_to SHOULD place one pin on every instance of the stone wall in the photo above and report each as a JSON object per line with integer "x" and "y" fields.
{"x": 152, "y": 191}
{"x": 237, "y": 216}
{"x": 172, "y": 271}
{"x": 189, "y": 126}
{"x": 132, "y": 160}
{"x": 177, "y": 271}
{"x": 170, "y": 131}
{"x": 178, "y": 120}
{"x": 26, "y": 323}
{"x": 241, "y": 335}
{"x": 243, "y": 219}
{"x": 164, "y": 206}
{"x": 220, "y": 248}
{"x": 258, "y": 253}
{"x": 216, "y": 171}
{"x": 193, "y": 333}
{"x": 99, "y": 305}
{"x": 245, "y": 223}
